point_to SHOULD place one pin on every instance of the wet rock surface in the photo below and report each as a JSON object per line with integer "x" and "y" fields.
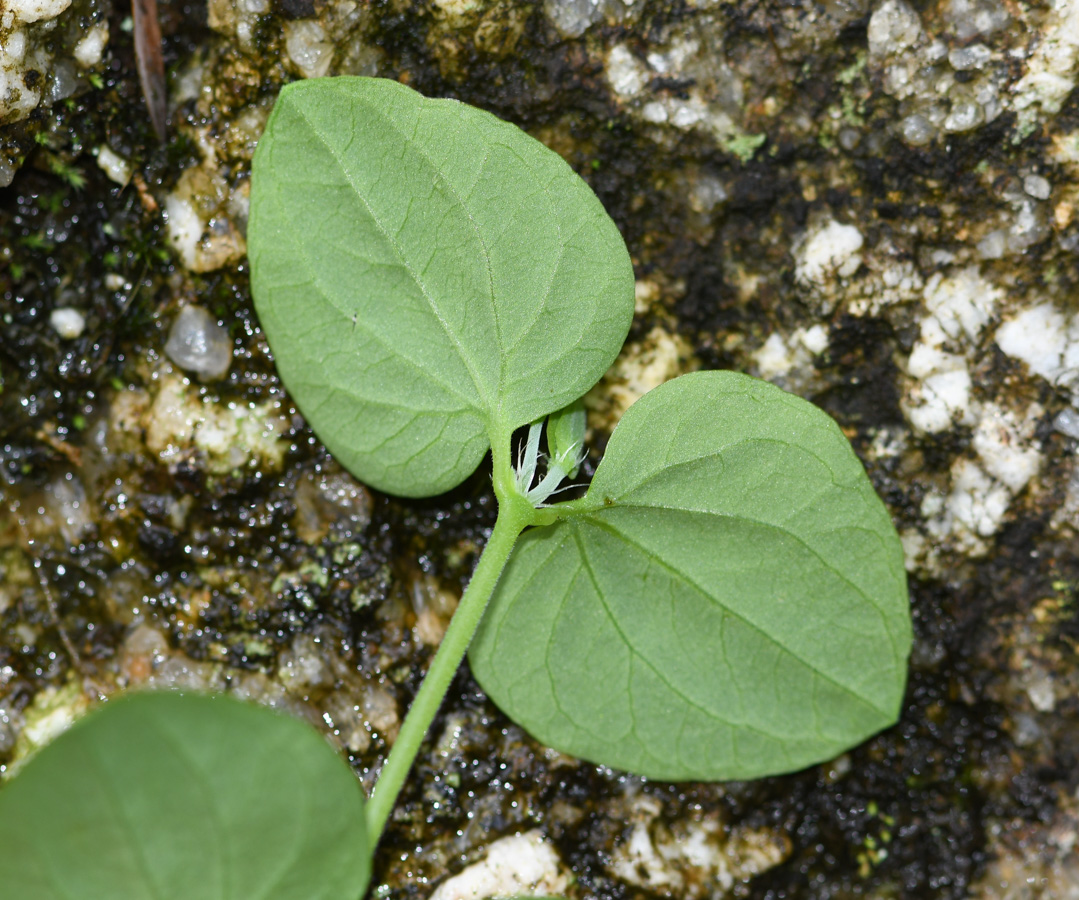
{"x": 870, "y": 203}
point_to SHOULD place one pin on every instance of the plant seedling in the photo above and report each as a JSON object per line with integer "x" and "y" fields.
{"x": 726, "y": 600}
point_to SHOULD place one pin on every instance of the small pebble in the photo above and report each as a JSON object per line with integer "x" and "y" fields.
{"x": 67, "y": 322}
{"x": 936, "y": 51}
{"x": 916, "y": 130}
{"x": 965, "y": 115}
{"x": 973, "y": 57}
{"x": 993, "y": 245}
{"x": 197, "y": 343}
{"x": 893, "y": 27}
{"x": 573, "y": 17}
{"x": 849, "y": 138}
{"x": 308, "y": 48}
{"x": 1067, "y": 423}
{"x": 1037, "y": 187}
{"x": 35, "y": 10}
{"x": 113, "y": 165}
{"x": 89, "y": 49}
{"x": 62, "y": 82}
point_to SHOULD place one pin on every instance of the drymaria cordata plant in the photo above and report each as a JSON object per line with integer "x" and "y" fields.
{"x": 725, "y": 600}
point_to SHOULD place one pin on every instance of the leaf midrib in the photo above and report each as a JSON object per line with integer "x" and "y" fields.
{"x": 620, "y": 502}
{"x": 678, "y": 691}
{"x": 712, "y": 454}
{"x": 597, "y": 522}
{"x": 315, "y": 282}
{"x": 477, "y": 381}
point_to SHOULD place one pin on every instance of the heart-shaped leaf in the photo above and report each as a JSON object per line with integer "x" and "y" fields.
{"x": 728, "y": 600}
{"x": 184, "y": 798}
{"x": 429, "y": 277}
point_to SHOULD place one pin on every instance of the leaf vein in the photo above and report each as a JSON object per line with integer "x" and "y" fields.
{"x": 678, "y": 575}
{"x": 432, "y": 305}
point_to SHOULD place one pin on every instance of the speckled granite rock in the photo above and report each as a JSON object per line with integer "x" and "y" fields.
{"x": 873, "y": 204}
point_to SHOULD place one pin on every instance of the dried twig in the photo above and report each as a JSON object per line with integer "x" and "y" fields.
{"x": 150, "y": 62}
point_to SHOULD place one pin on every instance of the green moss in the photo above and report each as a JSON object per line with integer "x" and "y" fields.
{"x": 852, "y": 72}
{"x": 744, "y": 146}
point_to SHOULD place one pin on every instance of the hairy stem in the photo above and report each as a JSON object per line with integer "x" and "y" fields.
{"x": 514, "y": 514}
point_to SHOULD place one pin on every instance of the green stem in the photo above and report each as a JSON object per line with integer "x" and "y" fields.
{"x": 514, "y": 514}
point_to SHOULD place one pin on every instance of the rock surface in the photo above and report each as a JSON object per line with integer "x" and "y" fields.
{"x": 873, "y": 204}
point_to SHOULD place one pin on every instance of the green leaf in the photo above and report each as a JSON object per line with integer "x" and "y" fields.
{"x": 429, "y": 277}
{"x": 186, "y": 798}
{"x": 728, "y": 600}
